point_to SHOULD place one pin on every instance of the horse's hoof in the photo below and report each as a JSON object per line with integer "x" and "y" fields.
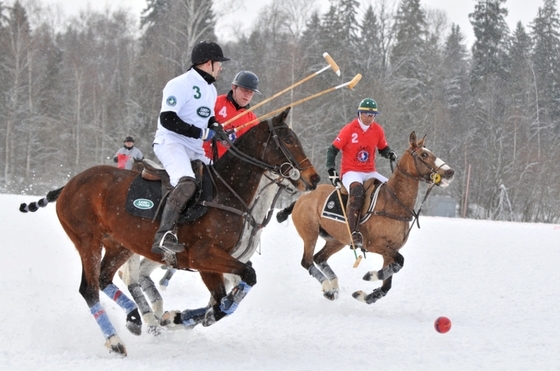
{"x": 331, "y": 295}
{"x": 371, "y": 298}
{"x": 329, "y": 291}
{"x": 281, "y": 216}
{"x": 115, "y": 345}
{"x": 370, "y": 276}
{"x": 134, "y": 323}
{"x": 168, "y": 318}
{"x": 360, "y": 296}
{"x": 155, "y": 330}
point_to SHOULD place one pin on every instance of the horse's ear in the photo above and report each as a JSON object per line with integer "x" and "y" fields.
{"x": 421, "y": 141}
{"x": 285, "y": 114}
{"x": 412, "y": 140}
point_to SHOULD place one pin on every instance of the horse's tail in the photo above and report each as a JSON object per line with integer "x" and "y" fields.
{"x": 34, "y": 206}
{"x": 283, "y": 214}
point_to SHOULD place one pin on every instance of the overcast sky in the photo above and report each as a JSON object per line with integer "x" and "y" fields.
{"x": 457, "y": 11}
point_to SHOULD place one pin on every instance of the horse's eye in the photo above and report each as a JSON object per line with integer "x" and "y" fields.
{"x": 424, "y": 155}
{"x": 289, "y": 140}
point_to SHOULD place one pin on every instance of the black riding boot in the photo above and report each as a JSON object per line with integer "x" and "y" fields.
{"x": 353, "y": 210}
{"x": 165, "y": 240}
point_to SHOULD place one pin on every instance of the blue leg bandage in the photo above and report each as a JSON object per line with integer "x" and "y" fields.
{"x": 114, "y": 293}
{"x": 102, "y": 320}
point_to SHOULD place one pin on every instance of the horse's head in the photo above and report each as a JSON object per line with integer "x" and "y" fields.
{"x": 277, "y": 148}
{"x": 283, "y": 149}
{"x": 425, "y": 165}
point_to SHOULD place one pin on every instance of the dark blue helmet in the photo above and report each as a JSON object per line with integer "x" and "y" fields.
{"x": 247, "y": 80}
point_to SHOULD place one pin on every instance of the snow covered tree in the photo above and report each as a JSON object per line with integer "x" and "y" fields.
{"x": 15, "y": 84}
{"x": 546, "y": 60}
{"x": 490, "y": 48}
{"x": 408, "y": 65}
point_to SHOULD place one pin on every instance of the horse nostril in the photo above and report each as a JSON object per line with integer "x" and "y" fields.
{"x": 450, "y": 172}
{"x": 316, "y": 179}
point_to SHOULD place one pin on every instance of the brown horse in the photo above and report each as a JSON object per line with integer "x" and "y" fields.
{"x": 385, "y": 226}
{"x": 136, "y": 272}
{"x": 91, "y": 209}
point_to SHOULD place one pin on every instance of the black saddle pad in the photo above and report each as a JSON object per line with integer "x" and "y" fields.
{"x": 144, "y": 197}
{"x": 332, "y": 208}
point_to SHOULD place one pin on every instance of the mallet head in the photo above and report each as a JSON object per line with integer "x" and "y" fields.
{"x": 332, "y": 63}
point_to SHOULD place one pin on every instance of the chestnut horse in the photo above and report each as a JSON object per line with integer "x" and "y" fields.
{"x": 91, "y": 209}
{"x": 385, "y": 227}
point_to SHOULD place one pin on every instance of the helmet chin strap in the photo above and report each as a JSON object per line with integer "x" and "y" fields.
{"x": 213, "y": 72}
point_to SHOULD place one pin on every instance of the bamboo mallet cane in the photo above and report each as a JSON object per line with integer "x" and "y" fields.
{"x": 350, "y": 85}
{"x": 331, "y": 64}
{"x": 342, "y": 206}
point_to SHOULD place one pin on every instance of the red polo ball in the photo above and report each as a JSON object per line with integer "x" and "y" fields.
{"x": 442, "y": 325}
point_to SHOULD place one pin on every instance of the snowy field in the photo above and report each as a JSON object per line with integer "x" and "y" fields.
{"x": 498, "y": 282}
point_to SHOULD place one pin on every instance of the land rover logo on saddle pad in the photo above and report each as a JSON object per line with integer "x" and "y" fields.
{"x": 143, "y": 204}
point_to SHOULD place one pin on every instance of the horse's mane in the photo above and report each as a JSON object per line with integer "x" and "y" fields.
{"x": 241, "y": 142}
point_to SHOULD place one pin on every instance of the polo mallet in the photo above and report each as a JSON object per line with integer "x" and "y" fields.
{"x": 331, "y": 64}
{"x": 343, "y": 207}
{"x": 350, "y": 85}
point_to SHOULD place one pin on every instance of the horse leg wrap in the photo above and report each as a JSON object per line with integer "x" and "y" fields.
{"x": 102, "y": 320}
{"x": 375, "y": 296}
{"x": 153, "y": 294}
{"x": 327, "y": 271}
{"x": 192, "y": 317}
{"x": 316, "y": 273}
{"x": 150, "y": 289}
{"x": 388, "y": 271}
{"x": 228, "y": 304}
{"x": 164, "y": 282}
{"x": 139, "y": 298}
{"x": 231, "y": 301}
{"x": 114, "y": 293}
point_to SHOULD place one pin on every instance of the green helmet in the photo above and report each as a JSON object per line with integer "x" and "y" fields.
{"x": 368, "y": 105}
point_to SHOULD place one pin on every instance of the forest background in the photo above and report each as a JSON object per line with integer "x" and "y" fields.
{"x": 72, "y": 89}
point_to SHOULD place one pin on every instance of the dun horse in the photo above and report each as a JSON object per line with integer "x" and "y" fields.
{"x": 91, "y": 209}
{"x": 385, "y": 222}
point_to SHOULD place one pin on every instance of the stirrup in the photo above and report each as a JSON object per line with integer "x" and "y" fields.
{"x": 357, "y": 240}
{"x": 173, "y": 246}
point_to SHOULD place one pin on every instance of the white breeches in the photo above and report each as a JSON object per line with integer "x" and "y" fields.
{"x": 354, "y": 176}
{"x": 176, "y": 159}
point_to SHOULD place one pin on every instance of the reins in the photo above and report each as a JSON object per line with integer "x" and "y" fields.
{"x": 432, "y": 180}
{"x": 294, "y": 173}
{"x": 292, "y": 162}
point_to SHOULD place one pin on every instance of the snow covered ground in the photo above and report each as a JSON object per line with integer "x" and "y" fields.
{"x": 498, "y": 282}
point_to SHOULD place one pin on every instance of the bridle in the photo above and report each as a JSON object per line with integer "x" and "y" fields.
{"x": 280, "y": 175}
{"x": 432, "y": 178}
{"x": 290, "y": 169}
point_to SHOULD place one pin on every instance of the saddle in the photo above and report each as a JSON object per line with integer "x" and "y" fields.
{"x": 150, "y": 188}
{"x": 332, "y": 209}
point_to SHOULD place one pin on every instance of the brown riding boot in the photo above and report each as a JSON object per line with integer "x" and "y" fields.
{"x": 165, "y": 240}
{"x": 353, "y": 210}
